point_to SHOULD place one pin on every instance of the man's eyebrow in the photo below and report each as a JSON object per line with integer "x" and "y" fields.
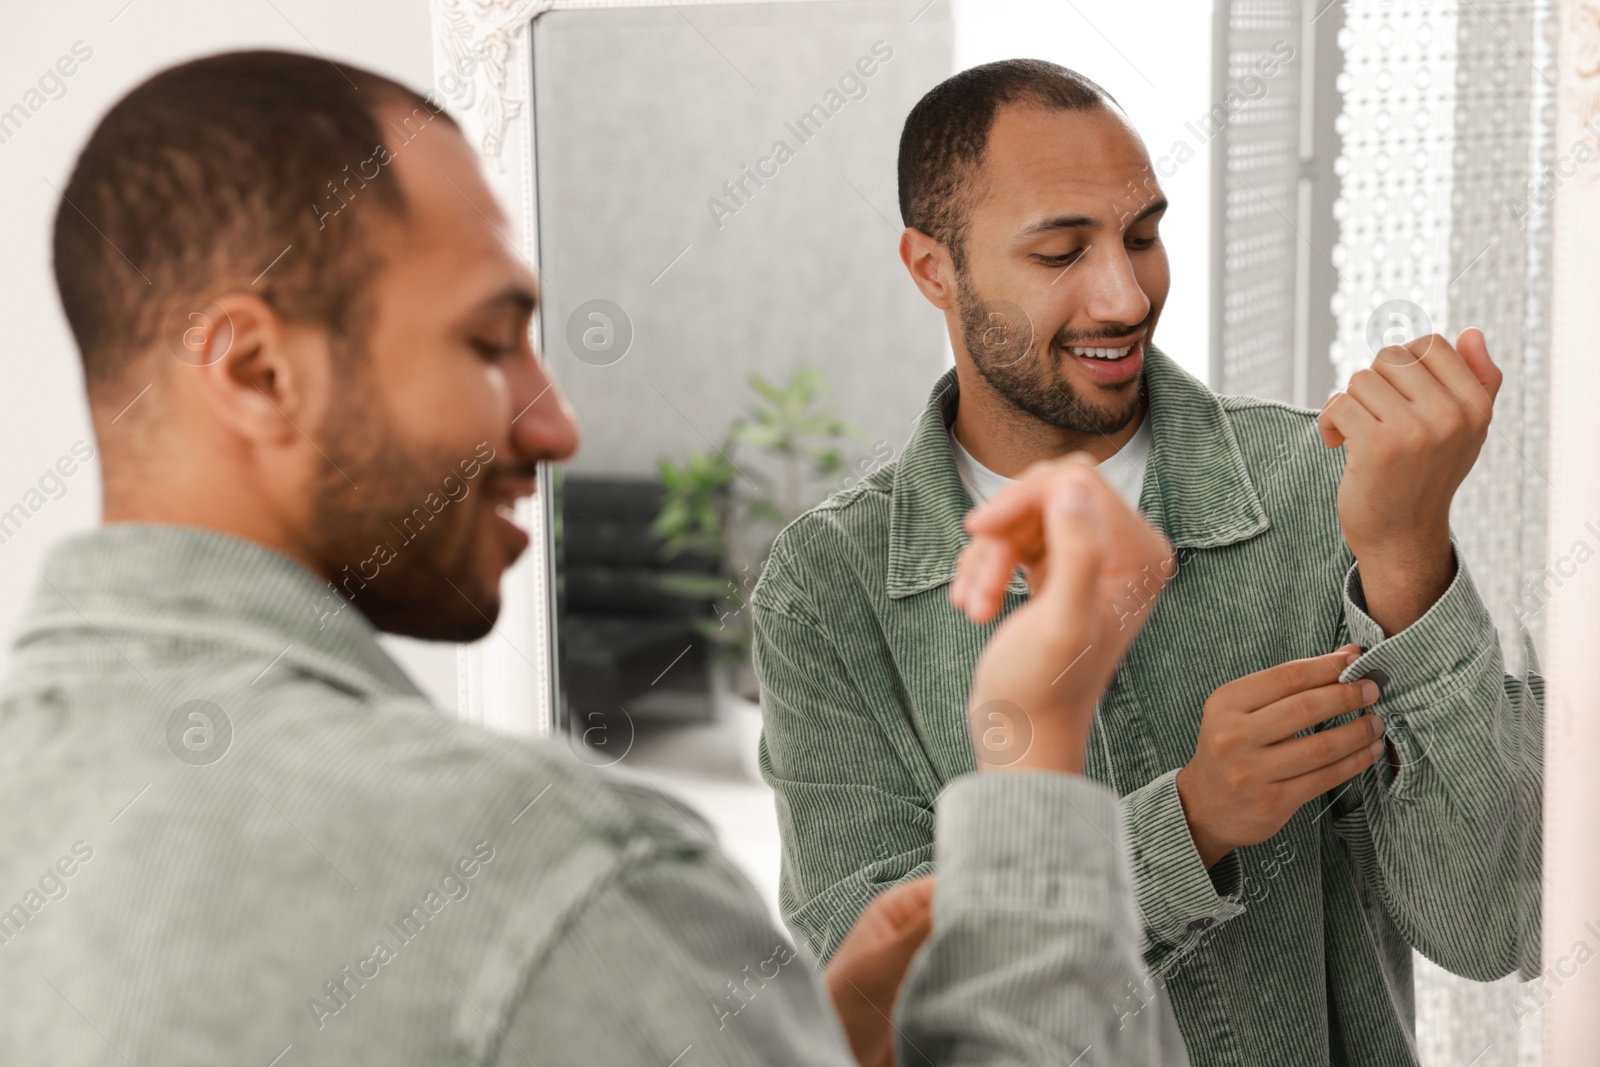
{"x": 1155, "y": 207}
{"x": 1059, "y": 222}
{"x": 1082, "y": 222}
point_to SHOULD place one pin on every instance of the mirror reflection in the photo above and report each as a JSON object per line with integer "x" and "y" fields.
{"x": 797, "y": 304}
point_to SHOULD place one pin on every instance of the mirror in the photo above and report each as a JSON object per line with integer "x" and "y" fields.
{"x": 716, "y": 201}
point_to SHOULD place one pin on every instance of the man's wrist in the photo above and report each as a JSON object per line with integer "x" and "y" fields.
{"x": 1054, "y": 744}
{"x": 1401, "y": 581}
{"x": 1210, "y": 848}
{"x": 1052, "y": 754}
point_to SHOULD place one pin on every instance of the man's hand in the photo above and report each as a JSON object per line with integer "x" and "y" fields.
{"x": 1412, "y": 426}
{"x": 1095, "y": 568}
{"x": 1250, "y": 772}
{"x": 864, "y": 977}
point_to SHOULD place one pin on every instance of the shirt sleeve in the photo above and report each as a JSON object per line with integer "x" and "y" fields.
{"x": 1036, "y": 939}
{"x": 1452, "y": 838}
{"x": 673, "y": 960}
{"x": 1179, "y": 899}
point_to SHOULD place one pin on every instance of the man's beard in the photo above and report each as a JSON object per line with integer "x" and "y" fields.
{"x": 999, "y": 338}
{"x": 421, "y": 582}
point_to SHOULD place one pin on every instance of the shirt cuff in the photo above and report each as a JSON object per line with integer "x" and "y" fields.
{"x": 1178, "y": 898}
{"x": 1034, "y": 840}
{"x": 1431, "y": 658}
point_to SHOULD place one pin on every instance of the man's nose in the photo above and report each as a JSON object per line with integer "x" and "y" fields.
{"x": 546, "y": 427}
{"x": 1115, "y": 292}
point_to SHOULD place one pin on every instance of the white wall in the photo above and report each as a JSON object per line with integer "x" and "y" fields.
{"x": 42, "y": 411}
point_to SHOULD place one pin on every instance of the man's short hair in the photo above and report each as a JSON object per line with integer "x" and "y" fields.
{"x": 943, "y": 142}
{"x": 254, "y": 170}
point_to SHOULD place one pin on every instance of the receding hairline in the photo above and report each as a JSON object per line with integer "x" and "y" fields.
{"x": 973, "y": 187}
{"x": 945, "y": 142}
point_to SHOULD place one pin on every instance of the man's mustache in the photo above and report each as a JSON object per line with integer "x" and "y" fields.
{"x": 1065, "y": 338}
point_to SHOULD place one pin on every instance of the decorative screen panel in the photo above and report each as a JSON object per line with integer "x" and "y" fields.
{"x": 1500, "y": 255}
{"x": 1256, "y": 171}
{"x": 1394, "y": 207}
{"x": 1446, "y": 120}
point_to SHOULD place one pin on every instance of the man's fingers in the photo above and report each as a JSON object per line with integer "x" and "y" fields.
{"x": 1076, "y": 547}
{"x": 1464, "y": 372}
{"x": 1331, "y": 437}
{"x": 885, "y": 936}
{"x": 864, "y": 977}
{"x": 1423, "y": 349}
{"x": 1258, "y": 690}
{"x": 1284, "y": 718}
{"x": 906, "y": 905}
{"x": 1011, "y": 531}
{"x": 1324, "y": 779}
{"x": 1377, "y": 395}
{"x": 1422, "y": 381}
{"x": 983, "y": 571}
{"x": 1022, "y": 502}
{"x": 1344, "y": 415}
{"x": 1288, "y": 760}
{"x": 1474, "y": 349}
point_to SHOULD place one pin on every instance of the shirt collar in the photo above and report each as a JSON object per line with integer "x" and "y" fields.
{"x": 192, "y": 585}
{"x": 1197, "y": 489}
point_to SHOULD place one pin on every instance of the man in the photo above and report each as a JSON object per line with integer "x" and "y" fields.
{"x": 1287, "y": 854}
{"x": 236, "y": 832}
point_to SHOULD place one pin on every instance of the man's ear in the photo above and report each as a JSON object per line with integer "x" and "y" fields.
{"x": 930, "y": 266}
{"x": 262, "y": 377}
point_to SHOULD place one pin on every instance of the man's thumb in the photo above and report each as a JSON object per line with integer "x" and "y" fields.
{"x": 1474, "y": 351}
{"x": 1074, "y": 543}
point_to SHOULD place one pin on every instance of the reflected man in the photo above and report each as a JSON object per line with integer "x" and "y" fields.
{"x": 1314, "y": 741}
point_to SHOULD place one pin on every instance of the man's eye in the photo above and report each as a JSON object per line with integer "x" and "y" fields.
{"x": 1061, "y": 260}
{"x": 494, "y": 350}
{"x": 1142, "y": 242}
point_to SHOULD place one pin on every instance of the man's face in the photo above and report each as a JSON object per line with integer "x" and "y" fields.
{"x": 442, "y": 415}
{"x": 1065, "y": 274}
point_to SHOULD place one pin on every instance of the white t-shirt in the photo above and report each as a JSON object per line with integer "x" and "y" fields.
{"x": 1123, "y": 471}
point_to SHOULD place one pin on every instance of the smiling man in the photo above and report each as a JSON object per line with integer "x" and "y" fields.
{"x": 236, "y": 832}
{"x": 1310, "y": 737}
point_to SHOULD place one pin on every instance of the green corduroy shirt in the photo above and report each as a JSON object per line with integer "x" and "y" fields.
{"x": 1294, "y": 951}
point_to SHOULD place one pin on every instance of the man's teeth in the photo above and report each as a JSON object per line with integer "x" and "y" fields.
{"x": 1101, "y": 353}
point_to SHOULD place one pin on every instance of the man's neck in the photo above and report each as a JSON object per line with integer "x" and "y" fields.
{"x": 1007, "y": 441}
{"x": 210, "y": 505}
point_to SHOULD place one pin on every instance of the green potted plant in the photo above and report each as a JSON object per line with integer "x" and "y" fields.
{"x": 728, "y": 504}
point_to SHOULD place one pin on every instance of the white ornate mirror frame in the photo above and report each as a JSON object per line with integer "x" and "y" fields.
{"x": 482, "y": 76}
